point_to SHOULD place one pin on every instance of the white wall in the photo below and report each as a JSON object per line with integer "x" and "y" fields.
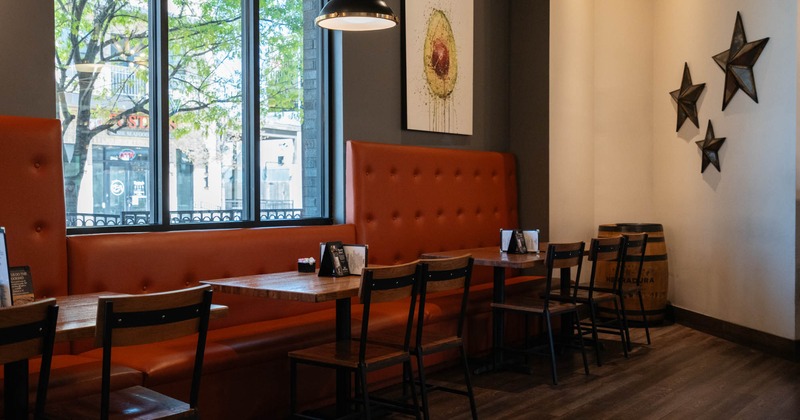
{"x": 571, "y": 120}
{"x": 730, "y": 235}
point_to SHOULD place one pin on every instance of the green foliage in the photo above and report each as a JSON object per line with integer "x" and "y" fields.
{"x": 103, "y": 69}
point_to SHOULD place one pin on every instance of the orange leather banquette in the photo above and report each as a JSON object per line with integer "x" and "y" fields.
{"x": 402, "y": 201}
{"x": 245, "y": 372}
{"x": 407, "y": 200}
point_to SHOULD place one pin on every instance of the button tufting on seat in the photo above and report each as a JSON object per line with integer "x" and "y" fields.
{"x": 38, "y": 228}
{"x": 37, "y": 165}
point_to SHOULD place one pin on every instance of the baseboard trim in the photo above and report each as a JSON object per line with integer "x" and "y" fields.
{"x": 759, "y": 340}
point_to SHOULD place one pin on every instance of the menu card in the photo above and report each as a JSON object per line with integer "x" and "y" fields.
{"x": 338, "y": 259}
{"x": 518, "y": 241}
{"x": 21, "y": 285}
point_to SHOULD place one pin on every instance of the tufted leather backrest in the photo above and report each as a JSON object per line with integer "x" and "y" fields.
{"x": 150, "y": 262}
{"x": 32, "y": 205}
{"x": 408, "y": 200}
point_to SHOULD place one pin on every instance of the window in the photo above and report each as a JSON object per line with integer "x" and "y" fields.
{"x": 224, "y": 131}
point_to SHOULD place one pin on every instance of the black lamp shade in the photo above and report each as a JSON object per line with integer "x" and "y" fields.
{"x": 356, "y": 15}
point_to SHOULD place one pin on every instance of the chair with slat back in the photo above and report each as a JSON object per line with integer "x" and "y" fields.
{"x": 611, "y": 253}
{"x": 441, "y": 275}
{"x": 563, "y": 257}
{"x": 362, "y": 355}
{"x": 27, "y": 331}
{"x": 142, "y": 319}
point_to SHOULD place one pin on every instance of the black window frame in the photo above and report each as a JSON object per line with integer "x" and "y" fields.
{"x": 159, "y": 130}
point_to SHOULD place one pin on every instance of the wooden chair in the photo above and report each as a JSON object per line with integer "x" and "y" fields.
{"x": 564, "y": 257}
{"x": 611, "y": 253}
{"x": 27, "y": 331}
{"x": 440, "y": 275}
{"x": 361, "y": 356}
{"x": 141, "y": 319}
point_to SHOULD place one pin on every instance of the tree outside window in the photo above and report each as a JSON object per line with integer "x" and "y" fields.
{"x": 104, "y": 80}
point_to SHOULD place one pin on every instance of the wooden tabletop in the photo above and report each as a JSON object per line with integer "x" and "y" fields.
{"x": 290, "y": 285}
{"x": 492, "y": 256}
{"x": 77, "y": 315}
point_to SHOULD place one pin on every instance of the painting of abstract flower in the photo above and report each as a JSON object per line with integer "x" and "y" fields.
{"x": 439, "y": 50}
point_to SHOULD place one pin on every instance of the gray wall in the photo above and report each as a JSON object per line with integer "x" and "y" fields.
{"x": 510, "y": 93}
{"x": 373, "y": 84}
{"x": 27, "y": 48}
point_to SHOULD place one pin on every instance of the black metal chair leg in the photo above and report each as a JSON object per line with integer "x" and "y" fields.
{"x": 580, "y": 343}
{"x": 644, "y": 317}
{"x": 552, "y": 347}
{"x": 625, "y": 323}
{"x": 422, "y": 387}
{"x": 468, "y": 381}
{"x": 621, "y": 329}
{"x": 362, "y": 379}
{"x": 293, "y": 387}
{"x": 595, "y": 339}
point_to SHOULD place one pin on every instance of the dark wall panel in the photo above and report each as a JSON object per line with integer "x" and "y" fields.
{"x": 373, "y": 84}
{"x": 27, "y": 78}
{"x": 529, "y": 108}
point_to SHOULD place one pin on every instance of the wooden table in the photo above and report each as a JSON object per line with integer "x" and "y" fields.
{"x": 77, "y": 318}
{"x": 499, "y": 261}
{"x": 303, "y": 287}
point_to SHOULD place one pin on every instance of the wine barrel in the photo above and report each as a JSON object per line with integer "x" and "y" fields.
{"x": 655, "y": 271}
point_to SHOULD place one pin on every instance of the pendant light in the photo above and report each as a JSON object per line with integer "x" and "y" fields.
{"x": 356, "y": 15}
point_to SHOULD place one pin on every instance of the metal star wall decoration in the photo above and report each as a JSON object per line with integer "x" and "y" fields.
{"x": 738, "y": 62}
{"x": 710, "y": 148}
{"x": 687, "y": 97}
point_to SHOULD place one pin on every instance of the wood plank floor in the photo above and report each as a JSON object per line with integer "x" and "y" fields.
{"x": 684, "y": 374}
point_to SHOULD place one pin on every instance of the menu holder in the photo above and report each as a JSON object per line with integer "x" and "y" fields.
{"x": 338, "y": 259}
{"x": 5, "y": 281}
{"x": 518, "y": 241}
{"x": 21, "y": 285}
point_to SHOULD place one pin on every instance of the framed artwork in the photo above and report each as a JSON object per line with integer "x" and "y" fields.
{"x": 439, "y": 65}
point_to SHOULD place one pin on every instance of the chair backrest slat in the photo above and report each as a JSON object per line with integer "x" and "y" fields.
{"x": 149, "y": 318}
{"x": 446, "y": 273}
{"x": 563, "y": 256}
{"x": 27, "y": 331}
{"x": 635, "y": 253}
{"x": 611, "y": 252}
{"x": 442, "y": 274}
{"x": 386, "y": 284}
{"x": 23, "y": 330}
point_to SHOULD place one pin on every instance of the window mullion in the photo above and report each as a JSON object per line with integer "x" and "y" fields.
{"x": 251, "y": 110}
{"x": 159, "y": 104}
